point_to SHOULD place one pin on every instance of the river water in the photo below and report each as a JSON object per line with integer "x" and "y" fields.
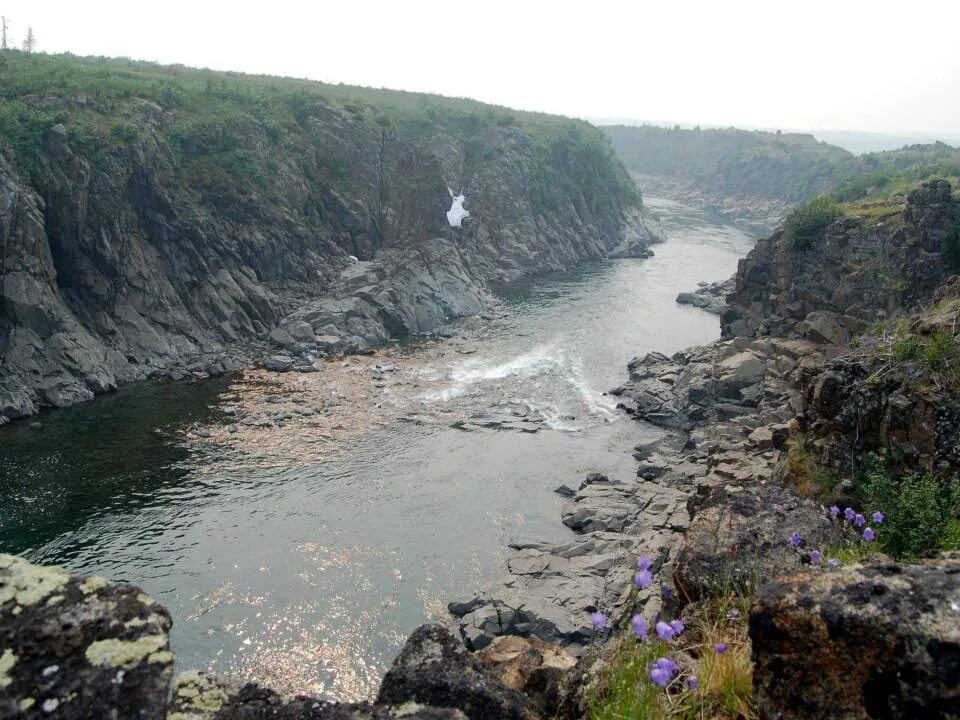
{"x": 302, "y": 553}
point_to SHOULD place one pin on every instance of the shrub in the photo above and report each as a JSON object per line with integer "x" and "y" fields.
{"x": 921, "y": 510}
{"x": 806, "y": 225}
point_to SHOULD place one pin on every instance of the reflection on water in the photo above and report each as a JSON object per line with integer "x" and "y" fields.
{"x": 302, "y": 550}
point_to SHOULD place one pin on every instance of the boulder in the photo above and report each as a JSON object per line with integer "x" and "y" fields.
{"x": 879, "y": 640}
{"x": 531, "y": 666}
{"x": 434, "y": 668}
{"x": 739, "y": 537}
{"x": 278, "y": 363}
{"x": 79, "y": 648}
{"x": 300, "y": 331}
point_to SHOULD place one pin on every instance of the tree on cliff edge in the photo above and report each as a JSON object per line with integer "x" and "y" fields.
{"x": 3, "y": 32}
{"x": 29, "y": 42}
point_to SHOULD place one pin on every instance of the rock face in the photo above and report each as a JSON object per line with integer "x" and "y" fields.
{"x": 533, "y": 667}
{"x": 79, "y": 648}
{"x": 880, "y": 398}
{"x": 872, "y": 641}
{"x": 739, "y": 537}
{"x": 825, "y": 292}
{"x": 124, "y": 260}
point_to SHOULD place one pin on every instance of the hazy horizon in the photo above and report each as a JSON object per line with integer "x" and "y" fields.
{"x": 812, "y": 67}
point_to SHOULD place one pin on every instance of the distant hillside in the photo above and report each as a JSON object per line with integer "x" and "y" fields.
{"x": 738, "y": 163}
{"x": 756, "y": 175}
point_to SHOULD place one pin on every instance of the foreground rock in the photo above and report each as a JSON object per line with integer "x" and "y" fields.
{"x": 79, "y": 648}
{"x": 200, "y": 697}
{"x": 873, "y": 641}
{"x": 537, "y": 669}
{"x": 435, "y": 669}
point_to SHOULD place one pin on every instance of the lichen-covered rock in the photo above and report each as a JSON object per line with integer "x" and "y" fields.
{"x": 197, "y": 696}
{"x": 72, "y": 647}
{"x": 434, "y": 668}
{"x": 877, "y": 640}
{"x": 739, "y": 536}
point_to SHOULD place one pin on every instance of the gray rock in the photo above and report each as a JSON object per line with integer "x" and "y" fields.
{"x": 739, "y": 537}
{"x": 278, "y": 363}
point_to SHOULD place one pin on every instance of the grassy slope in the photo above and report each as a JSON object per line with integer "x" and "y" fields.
{"x": 101, "y": 103}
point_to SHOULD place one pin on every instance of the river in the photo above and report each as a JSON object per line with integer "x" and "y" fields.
{"x": 301, "y": 553}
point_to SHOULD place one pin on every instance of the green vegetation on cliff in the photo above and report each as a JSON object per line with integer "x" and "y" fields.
{"x": 211, "y": 120}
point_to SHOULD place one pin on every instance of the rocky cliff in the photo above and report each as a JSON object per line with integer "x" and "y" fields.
{"x": 153, "y": 218}
{"x": 878, "y": 260}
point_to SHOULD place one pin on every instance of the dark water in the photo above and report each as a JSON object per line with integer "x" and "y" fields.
{"x": 308, "y": 572}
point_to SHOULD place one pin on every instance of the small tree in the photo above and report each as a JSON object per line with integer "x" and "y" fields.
{"x": 3, "y": 33}
{"x": 30, "y": 41}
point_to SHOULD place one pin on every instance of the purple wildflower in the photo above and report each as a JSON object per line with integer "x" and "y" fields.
{"x": 639, "y": 625}
{"x": 849, "y": 513}
{"x": 795, "y": 540}
{"x": 643, "y": 579}
{"x": 692, "y": 682}
{"x": 666, "y": 591}
{"x": 834, "y": 511}
{"x": 878, "y": 517}
{"x": 664, "y": 631}
{"x": 833, "y": 563}
{"x": 644, "y": 563}
{"x": 678, "y": 627}
{"x": 734, "y": 613}
{"x": 815, "y": 557}
{"x": 662, "y": 671}
{"x": 869, "y": 534}
{"x": 720, "y": 648}
{"x": 859, "y": 520}
{"x": 599, "y": 620}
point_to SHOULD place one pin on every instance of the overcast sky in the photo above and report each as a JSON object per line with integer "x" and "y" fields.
{"x": 802, "y": 64}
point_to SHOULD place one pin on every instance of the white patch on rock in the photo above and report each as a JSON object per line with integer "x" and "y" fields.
{"x": 457, "y": 213}
{"x": 50, "y": 705}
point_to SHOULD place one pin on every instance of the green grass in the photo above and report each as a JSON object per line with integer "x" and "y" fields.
{"x": 622, "y": 689}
